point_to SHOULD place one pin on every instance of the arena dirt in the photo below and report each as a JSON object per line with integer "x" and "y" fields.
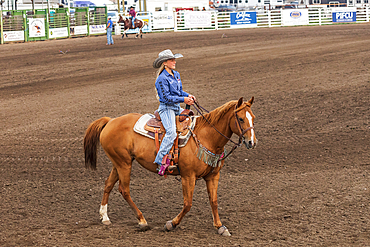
{"x": 306, "y": 184}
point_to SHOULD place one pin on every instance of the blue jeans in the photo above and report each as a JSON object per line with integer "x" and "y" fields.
{"x": 109, "y": 36}
{"x": 133, "y": 21}
{"x": 168, "y": 115}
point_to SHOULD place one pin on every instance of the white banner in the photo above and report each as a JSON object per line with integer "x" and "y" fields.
{"x": 295, "y": 17}
{"x": 77, "y": 30}
{"x": 14, "y": 36}
{"x": 58, "y": 32}
{"x": 194, "y": 19}
{"x": 344, "y": 9}
{"x": 36, "y": 27}
{"x": 163, "y": 19}
{"x": 95, "y": 29}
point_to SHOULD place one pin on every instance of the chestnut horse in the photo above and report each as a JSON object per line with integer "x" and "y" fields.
{"x": 128, "y": 25}
{"x": 211, "y": 133}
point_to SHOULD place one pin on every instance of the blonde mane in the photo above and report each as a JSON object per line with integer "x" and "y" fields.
{"x": 215, "y": 115}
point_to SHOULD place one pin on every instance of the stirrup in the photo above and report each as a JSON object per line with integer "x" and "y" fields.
{"x": 172, "y": 168}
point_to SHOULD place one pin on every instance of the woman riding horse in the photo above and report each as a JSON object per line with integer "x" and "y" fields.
{"x": 203, "y": 155}
{"x": 170, "y": 95}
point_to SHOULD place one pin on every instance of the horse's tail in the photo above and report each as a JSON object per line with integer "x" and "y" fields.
{"x": 91, "y": 140}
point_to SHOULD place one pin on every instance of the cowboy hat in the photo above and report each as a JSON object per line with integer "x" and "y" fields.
{"x": 164, "y": 56}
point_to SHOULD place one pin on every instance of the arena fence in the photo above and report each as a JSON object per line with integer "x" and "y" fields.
{"x": 43, "y": 24}
{"x": 203, "y": 20}
{"x": 28, "y": 25}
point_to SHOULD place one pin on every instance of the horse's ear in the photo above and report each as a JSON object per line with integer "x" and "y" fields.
{"x": 240, "y": 102}
{"x": 251, "y": 101}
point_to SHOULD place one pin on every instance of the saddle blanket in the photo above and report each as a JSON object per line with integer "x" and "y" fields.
{"x": 139, "y": 128}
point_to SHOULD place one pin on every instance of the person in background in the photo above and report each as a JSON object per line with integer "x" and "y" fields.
{"x": 109, "y": 29}
{"x": 132, "y": 15}
{"x": 204, "y": 9}
{"x": 170, "y": 94}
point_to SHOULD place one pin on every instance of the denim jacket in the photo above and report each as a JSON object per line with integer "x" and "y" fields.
{"x": 169, "y": 88}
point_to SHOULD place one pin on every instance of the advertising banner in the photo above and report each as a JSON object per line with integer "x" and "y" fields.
{"x": 163, "y": 19}
{"x": 58, "y": 32}
{"x": 97, "y": 29}
{"x": 243, "y": 19}
{"x": 344, "y": 14}
{"x": 197, "y": 19}
{"x": 13, "y": 36}
{"x": 295, "y": 17}
{"x": 36, "y": 27}
{"x": 78, "y": 30}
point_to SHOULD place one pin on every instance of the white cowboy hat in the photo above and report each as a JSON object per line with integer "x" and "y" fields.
{"x": 164, "y": 56}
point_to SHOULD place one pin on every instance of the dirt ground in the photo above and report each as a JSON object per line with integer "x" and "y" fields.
{"x": 306, "y": 184}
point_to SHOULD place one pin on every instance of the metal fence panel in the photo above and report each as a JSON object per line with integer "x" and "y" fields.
{"x": 13, "y": 26}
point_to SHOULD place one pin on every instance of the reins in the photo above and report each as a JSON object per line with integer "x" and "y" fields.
{"x": 200, "y": 110}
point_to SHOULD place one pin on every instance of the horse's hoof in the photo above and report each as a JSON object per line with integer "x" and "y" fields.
{"x": 169, "y": 226}
{"x": 106, "y": 222}
{"x": 223, "y": 231}
{"x": 144, "y": 227}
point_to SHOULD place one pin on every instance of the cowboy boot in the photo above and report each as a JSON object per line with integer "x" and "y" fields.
{"x": 165, "y": 164}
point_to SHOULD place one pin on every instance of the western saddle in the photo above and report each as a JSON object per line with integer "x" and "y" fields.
{"x": 155, "y": 126}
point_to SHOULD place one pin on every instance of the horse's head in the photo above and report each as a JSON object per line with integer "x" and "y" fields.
{"x": 122, "y": 19}
{"x": 242, "y": 123}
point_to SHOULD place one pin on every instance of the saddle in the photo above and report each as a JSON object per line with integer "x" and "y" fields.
{"x": 155, "y": 126}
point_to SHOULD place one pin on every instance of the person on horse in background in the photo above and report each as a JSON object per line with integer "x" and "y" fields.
{"x": 132, "y": 15}
{"x": 170, "y": 94}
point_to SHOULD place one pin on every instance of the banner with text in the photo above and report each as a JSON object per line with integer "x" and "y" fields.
{"x": 198, "y": 19}
{"x": 344, "y": 14}
{"x": 243, "y": 19}
{"x": 97, "y": 29}
{"x": 78, "y": 30}
{"x": 163, "y": 19}
{"x": 58, "y": 32}
{"x": 36, "y": 27}
{"x": 13, "y": 36}
{"x": 295, "y": 17}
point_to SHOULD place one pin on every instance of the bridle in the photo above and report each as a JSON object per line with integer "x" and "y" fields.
{"x": 242, "y": 131}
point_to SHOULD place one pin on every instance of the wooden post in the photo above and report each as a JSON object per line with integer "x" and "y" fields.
{"x": 1, "y": 24}
{"x": 25, "y": 27}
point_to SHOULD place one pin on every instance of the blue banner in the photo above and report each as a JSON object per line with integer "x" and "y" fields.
{"x": 344, "y": 16}
{"x": 242, "y": 18}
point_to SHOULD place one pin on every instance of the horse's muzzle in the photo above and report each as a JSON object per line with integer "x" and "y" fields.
{"x": 250, "y": 144}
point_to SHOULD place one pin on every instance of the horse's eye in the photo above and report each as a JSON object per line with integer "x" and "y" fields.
{"x": 241, "y": 120}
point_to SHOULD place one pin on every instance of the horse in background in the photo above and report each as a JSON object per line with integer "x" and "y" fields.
{"x": 128, "y": 25}
{"x": 211, "y": 133}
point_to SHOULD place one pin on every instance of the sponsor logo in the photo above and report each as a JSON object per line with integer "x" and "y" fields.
{"x": 243, "y": 16}
{"x": 295, "y": 14}
{"x": 344, "y": 17}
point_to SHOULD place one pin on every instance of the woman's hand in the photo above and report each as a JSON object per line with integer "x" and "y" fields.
{"x": 192, "y": 97}
{"x": 188, "y": 100}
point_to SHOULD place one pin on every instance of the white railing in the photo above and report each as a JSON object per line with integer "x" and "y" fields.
{"x": 270, "y": 18}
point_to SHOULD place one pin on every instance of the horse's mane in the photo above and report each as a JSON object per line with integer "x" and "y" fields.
{"x": 215, "y": 115}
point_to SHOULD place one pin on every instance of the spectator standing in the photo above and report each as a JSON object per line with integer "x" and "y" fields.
{"x": 109, "y": 31}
